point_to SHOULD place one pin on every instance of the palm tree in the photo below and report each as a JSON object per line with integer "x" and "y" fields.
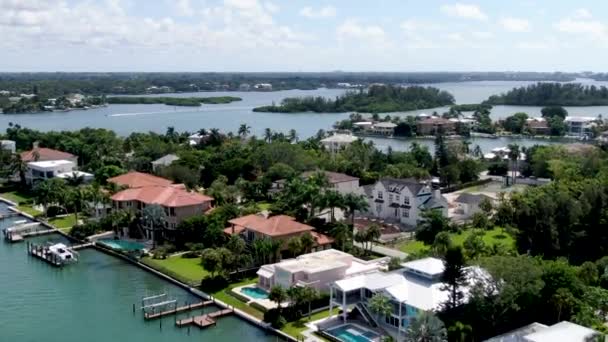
{"x": 74, "y": 179}
{"x": 292, "y": 136}
{"x": 426, "y": 327}
{"x": 342, "y": 233}
{"x": 372, "y": 234}
{"x": 307, "y": 242}
{"x": 268, "y": 135}
{"x": 294, "y": 246}
{"x": 355, "y": 203}
{"x": 278, "y": 295}
{"x": 514, "y": 157}
{"x": 18, "y": 166}
{"x": 154, "y": 216}
{"x": 380, "y": 305}
{"x": 78, "y": 198}
{"x": 244, "y": 130}
{"x": 333, "y": 200}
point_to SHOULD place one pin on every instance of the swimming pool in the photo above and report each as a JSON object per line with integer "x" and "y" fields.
{"x": 254, "y": 292}
{"x": 353, "y": 333}
{"x": 122, "y": 244}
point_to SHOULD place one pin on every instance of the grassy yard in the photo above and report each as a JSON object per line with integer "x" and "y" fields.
{"x": 16, "y": 196}
{"x": 64, "y": 223}
{"x": 28, "y": 209}
{"x": 225, "y": 297}
{"x": 490, "y": 237}
{"x": 187, "y": 268}
{"x": 296, "y": 328}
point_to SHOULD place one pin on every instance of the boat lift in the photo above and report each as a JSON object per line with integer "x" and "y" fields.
{"x": 152, "y": 302}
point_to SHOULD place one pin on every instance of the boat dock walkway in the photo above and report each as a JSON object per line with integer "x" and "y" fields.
{"x": 43, "y": 253}
{"x": 204, "y": 321}
{"x": 176, "y": 310}
{"x": 20, "y": 237}
{"x": 81, "y": 246}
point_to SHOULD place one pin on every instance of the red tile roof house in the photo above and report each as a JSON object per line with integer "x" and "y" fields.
{"x": 47, "y": 154}
{"x": 144, "y": 189}
{"x": 278, "y": 228}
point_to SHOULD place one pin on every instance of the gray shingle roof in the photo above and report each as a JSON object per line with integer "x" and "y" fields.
{"x": 471, "y": 198}
{"x": 397, "y": 185}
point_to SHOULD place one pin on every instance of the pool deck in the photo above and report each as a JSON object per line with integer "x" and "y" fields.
{"x": 267, "y": 303}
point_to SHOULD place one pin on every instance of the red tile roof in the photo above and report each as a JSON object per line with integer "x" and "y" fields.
{"x": 167, "y": 196}
{"x": 45, "y": 154}
{"x": 139, "y": 179}
{"x": 322, "y": 239}
{"x": 273, "y": 226}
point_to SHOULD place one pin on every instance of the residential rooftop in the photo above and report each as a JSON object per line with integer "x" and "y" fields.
{"x": 561, "y": 332}
{"x": 44, "y": 154}
{"x": 49, "y": 164}
{"x": 332, "y": 177}
{"x": 340, "y": 138}
{"x": 273, "y": 226}
{"x": 167, "y": 196}
{"x": 136, "y": 179}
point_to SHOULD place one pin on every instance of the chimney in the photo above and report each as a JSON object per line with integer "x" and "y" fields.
{"x": 35, "y": 144}
{"x": 437, "y": 193}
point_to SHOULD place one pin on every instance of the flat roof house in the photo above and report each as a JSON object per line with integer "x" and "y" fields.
{"x": 337, "y": 142}
{"x": 38, "y": 171}
{"x": 417, "y": 287}
{"x": 144, "y": 190}
{"x": 560, "y": 332}
{"x": 317, "y": 270}
{"x": 278, "y": 228}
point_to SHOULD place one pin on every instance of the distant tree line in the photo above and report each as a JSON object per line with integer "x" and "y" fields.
{"x": 553, "y": 94}
{"x": 172, "y": 101}
{"x": 377, "y": 99}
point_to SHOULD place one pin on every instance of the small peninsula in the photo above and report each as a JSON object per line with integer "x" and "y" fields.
{"x": 172, "y": 101}
{"x": 553, "y": 94}
{"x": 377, "y": 99}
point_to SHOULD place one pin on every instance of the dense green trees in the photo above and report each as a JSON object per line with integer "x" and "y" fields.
{"x": 172, "y": 101}
{"x": 377, "y": 99}
{"x": 553, "y": 94}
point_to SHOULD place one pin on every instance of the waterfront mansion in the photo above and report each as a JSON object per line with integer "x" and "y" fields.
{"x": 403, "y": 200}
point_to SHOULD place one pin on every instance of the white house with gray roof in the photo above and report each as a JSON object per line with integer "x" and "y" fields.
{"x": 403, "y": 200}
{"x": 163, "y": 162}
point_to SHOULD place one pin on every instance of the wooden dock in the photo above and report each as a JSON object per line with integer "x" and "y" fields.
{"x": 81, "y": 246}
{"x": 204, "y": 321}
{"x": 176, "y": 310}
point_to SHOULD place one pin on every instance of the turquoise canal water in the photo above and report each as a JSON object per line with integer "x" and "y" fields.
{"x": 92, "y": 301}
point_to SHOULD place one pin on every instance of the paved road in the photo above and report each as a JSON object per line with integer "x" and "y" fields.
{"x": 389, "y": 252}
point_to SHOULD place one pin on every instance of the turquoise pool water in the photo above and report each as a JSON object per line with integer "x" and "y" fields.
{"x": 353, "y": 333}
{"x": 255, "y": 292}
{"x": 122, "y": 244}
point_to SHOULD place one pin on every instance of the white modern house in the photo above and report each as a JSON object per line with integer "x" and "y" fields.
{"x": 8, "y": 145}
{"x": 43, "y": 170}
{"x": 415, "y": 288}
{"x": 560, "y": 332}
{"x": 317, "y": 270}
{"x": 163, "y": 162}
{"x": 338, "y": 142}
{"x": 403, "y": 200}
{"x": 580, "y": 126}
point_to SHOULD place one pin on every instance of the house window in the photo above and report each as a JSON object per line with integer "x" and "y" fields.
{"x": 250, "y": 235}
{"x": 378, "y": 208}
{"x": 405, "y": 212}
{"x": 392, "y": 321}
{"x": 379, "y": 194}
{"x": 398, "y": 198}
{"x": 406, "y": 200}
{"x": 171, "y": 211}
{"x": 390, "y": 198}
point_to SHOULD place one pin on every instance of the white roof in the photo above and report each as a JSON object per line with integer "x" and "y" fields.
{"x": 49, "y": 163}
{"x": 363, "y": 123}
{"x": 371, "y": 281}
{"x": 166, "y": 160}
{"x": 385, "y": 125}
{"x": 564, "y": 331}
{"x": 264, "y": 273}
{"x": 580, "y": 118}
{"x": 71, "y": 174}
{"x": 345, "y": 138}
{"x": 428, "y": 266}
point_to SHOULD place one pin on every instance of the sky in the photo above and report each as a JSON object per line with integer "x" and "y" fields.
{"x": 303, "y": 35}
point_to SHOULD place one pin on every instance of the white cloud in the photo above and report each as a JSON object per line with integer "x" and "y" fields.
{"x": 582, "y": 13}
{"x": 324, "y": 12}
{"x": 515, "y": 24}
{"x": 482, "y": 34}
{"x": 271, "y": 7}
{"x": 412, "y": 25}
{"x": 352, "y": 29}
{"x": 591, "y": 28}
{"x": 183, "y": 8}
{"x": 456, "y": 37}
{"x": 467, "y": 11}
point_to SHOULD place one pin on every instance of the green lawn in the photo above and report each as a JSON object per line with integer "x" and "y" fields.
{"x": 490, "y": 237}
{"x": 28, "y": 209}
{"x": 189, "y": 269}
{"x": 64, "y": 223}
{"x": 296, "y": 328}
{"x": 16, "y": 196}
{"x": 225, "y": 297}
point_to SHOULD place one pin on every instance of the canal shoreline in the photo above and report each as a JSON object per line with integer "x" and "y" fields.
{"x": 194, "y": 291}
